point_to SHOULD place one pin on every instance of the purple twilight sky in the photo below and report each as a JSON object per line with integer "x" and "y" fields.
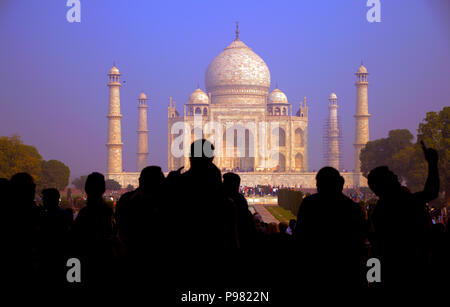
{"x": 53, "y": 79}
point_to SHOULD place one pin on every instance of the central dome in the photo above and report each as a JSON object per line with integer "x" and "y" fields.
{"x": 237, "y": 69}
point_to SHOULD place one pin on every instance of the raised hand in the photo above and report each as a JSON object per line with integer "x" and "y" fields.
{"x": 430, "y": 154}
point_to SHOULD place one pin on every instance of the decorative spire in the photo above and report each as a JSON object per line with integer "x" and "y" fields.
{"x": 304, "y": 101}
{"x": 198, "y": 84}
{"x": 237, "y": 30}
{"x": 276, "y": 85}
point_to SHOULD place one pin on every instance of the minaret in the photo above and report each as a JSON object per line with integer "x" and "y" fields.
{"x": 172, "y": 115}
{"x": 333, "y": 133}
{"x": 303, "y": 110}
{"x": 362, "y": 115}
{"x": 142, "y": 133}
{"x": 114, "y": 143}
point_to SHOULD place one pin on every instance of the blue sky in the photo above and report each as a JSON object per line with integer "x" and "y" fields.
{"x": 53, "y": 83}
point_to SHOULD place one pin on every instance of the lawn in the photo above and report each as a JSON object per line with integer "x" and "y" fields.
{"x": 280, "y": 214}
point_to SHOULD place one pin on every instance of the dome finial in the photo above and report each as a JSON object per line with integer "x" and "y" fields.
{"x": 276, "y": 85}
{"x": 198, "y": 84}
{"x": 237, "y": 30}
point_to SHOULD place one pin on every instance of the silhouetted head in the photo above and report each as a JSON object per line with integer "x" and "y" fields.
{"x": 292, "y": 223}
{"x": 382, "y": 181}
{"x": 231, "y": 183}
{"x": 202, "y": 153}
{"x": 23, "y": 187}
{"x": 329, "y": 181}
{"x": 151, "y": 177}
{"x": 282, "y": 227}
{"x": 50, "y": 198}
{"x": 271, "y": 228}
{"x": 95, "y": 185}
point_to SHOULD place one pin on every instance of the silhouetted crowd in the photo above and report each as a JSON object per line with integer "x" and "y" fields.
{"x": 194, "y": 229}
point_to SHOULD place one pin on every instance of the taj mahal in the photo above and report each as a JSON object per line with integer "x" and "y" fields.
{"x": 256, "y": 133}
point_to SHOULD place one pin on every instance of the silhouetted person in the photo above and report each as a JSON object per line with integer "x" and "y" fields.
{"x": 440, "y": 245}
{"x": 282, "y": 227}
{"x": 93, "y": 230}
{"x": 55, "y": 227}
{"x": 5, "y": 202}
{"x": 291, "y": 228}
{"x": 278, "y": 242}
{"x": 402, "y": 223}
{"x": 330, "y": 234}
{"x": 21, "y": 210}
{"x": 204, "y": 216}
{"x": 23, "y": 191}
{"x": 203, "y": 219}
{"x": 5, "y": 190}
{"x": 54, "y": 214}
{"x": 244, "y": 225}
{"x": 138, "y": 212}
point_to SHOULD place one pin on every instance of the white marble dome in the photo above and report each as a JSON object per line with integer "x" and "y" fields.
{"x": 237, "y": 66}
{"x": 198, "y": 97}
{"x": 332, "y": 96}
{"x": 142, "y": 96}
{"x": 277, "y": 96}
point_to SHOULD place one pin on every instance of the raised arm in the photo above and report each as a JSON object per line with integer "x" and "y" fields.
{"x": 431, "y": 189}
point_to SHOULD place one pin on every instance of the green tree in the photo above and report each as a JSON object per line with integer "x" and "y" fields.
{"x": 381, "y": 152}
{"x": 16, "y": 157}
{"x": 410, "y": 165}
{"x": 112, "y": 185}
{"x": 406, "y": 158}
{"x": 130, "y": 188}
{"x": 54, "y": 174}
{"x": 79, "y": 182}
{"x": 435, "y": 132}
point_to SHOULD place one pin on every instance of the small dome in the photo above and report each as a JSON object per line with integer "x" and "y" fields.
{"x": 333, "y": 96}
{"x": 198, "y": 97}
{"x": 362, "y": 70}
{"x": 114, "y": 71}
{"x": 277, "y": 96}
{"x": 142, "y": 96}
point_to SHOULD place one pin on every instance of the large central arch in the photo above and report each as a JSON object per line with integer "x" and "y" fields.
{"x": 238, "y": 149}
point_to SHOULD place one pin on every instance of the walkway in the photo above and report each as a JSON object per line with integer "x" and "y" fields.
{"x": 265, "y": 214}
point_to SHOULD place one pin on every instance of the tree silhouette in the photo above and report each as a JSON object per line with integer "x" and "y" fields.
{"x": 112, "y": 185}
{"x": 435, "y": 132}
{"x": 406, "y": 159}
{"x": 80, "y": 182}
{"x": 54, "y": 174}
{"x": 15, "y": 157}
{"x": 382, "y": 151}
